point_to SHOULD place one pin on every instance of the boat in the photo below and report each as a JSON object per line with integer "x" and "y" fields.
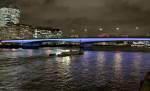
{"x": 63, "y": 53}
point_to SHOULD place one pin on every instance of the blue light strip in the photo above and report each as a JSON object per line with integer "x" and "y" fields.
{"x": 77, "y": 40}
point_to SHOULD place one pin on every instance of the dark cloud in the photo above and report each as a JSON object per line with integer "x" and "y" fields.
{"x": 141, "y": 4}
{"x": 84, "y": 13}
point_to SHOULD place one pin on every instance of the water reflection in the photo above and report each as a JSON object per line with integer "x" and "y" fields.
{"x": 101, "y": 57}
{"x": 137, "y": 60}
{"x": 137, "y": 64}
{"x": 118, "y": 60}
{"x": 118, "y": 65}
{"x": 30, "y": 52}
{"x": 94, "y": 71}
{"x": 66, "y": 60}
{"x": 101, "y": 73}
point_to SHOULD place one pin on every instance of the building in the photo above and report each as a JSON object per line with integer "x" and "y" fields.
{"x": 16, "y": 31}
{"x": 23, "y": 31}
{"x": 140, "y": 43}
{"x": 10, "y": 27}
{"x": 46, "y": 32}
{"x": 9, "y": 16}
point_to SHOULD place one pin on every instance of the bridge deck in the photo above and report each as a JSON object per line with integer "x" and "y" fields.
{"x": 76, "y": 40}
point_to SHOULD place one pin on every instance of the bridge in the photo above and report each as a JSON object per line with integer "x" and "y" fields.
{"x": 37, "y": 42}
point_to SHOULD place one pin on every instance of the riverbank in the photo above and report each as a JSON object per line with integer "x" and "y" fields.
{"x": 145, "y": 86}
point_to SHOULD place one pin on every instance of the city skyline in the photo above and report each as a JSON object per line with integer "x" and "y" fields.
{"x": 90, "y": 14}
{"x": 74, "y": 45}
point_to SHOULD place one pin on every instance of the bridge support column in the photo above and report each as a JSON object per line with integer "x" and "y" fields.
{"x": 31, "y": 45}
{"x": 86, "y": 45}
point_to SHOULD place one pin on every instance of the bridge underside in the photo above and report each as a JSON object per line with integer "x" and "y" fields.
{"x": 30, "y": 45}
{"x": 35, "y": 43}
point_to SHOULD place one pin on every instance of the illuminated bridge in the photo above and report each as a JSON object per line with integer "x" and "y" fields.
{"x": 37, "y": 42}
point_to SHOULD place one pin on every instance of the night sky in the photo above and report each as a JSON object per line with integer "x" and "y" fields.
{"x": 90, "y": 14}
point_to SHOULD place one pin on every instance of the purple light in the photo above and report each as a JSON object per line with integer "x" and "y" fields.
{"x": 77, "y": 40}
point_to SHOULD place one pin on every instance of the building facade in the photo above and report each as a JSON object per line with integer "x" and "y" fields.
{"x": 40, "y": 32}
{"x": 22, "y": 31}
{"x": 10, "y": 28}
{"x": 9, "y": 16}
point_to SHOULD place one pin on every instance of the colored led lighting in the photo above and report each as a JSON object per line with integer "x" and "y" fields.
{"x": 77, "y": 40}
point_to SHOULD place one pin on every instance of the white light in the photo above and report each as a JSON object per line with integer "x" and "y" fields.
{"x": 65, "y": 50}
{"x": 117, "y": 28}
{"x": 137, "y": 28}
{"x": 72, "y": 30}
{"x": 66, "y": 60}
{"x": 100, "y": 29}
{"x": 58, "y": 52}
{"x": 85, "y": 30}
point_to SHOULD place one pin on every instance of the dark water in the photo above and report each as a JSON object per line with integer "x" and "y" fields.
{"x": 29, "y": 70}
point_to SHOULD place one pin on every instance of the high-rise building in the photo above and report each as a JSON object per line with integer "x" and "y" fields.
{"x": 9, "y": 16}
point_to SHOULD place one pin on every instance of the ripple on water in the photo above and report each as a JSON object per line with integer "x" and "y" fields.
{"x": 30, "y": 70}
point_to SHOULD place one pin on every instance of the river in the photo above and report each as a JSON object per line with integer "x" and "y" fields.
{"x": 33, "y": 70}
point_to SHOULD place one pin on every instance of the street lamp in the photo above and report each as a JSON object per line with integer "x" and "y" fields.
{"x": 85, "y": 30}
{"x": 117, "y": 28}
{"x": 100, "y": 29}
{"x": 72, "y": 30}
{"x": 137, "y": 28}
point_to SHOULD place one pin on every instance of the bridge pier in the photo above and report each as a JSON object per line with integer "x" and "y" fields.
{"x": 30, "y": 45}
{"x": 86, "y": 45}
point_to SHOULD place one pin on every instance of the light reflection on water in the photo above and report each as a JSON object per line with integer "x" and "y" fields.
{"x": 66, "y": 60}
{"x": 118, "y": 65}
{"x": 93, "y": 71}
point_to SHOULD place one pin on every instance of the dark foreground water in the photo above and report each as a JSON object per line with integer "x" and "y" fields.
{"x": 29, "y": 70}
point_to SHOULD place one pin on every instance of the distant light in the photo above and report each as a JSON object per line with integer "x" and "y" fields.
{"x": 85, "y": 30}
{"x": 137, "y": 28}
{"x": 72, "y": 30}
{"x": 100, "y": 29}
{"x": 117, "y": 28}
